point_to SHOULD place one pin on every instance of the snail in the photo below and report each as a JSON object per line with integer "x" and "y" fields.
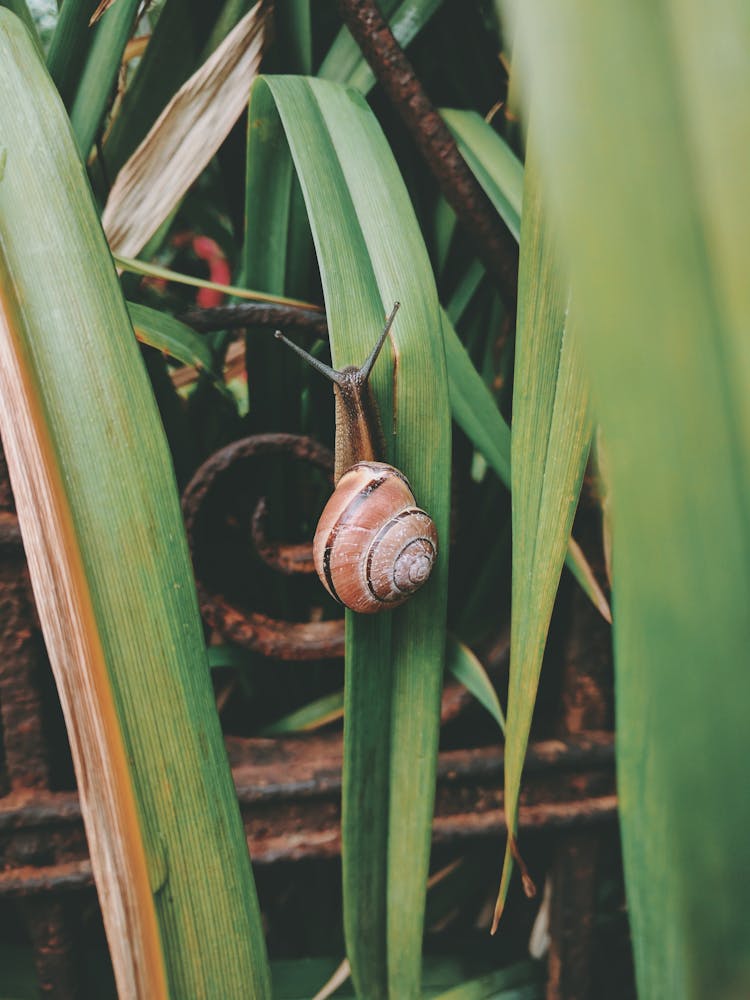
{"x": 373, "y": 547}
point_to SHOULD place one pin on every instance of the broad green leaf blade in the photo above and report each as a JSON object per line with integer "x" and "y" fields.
{"x": 171, "y": 337}
{"x": 492, "y": 161}
{"x": 467, "y": 669}
{"x": 108, "y": 557}
{"x": 97, "y": 79}
{"x": 651, "y": 206}
{"x": 550, "y": 441}
{"x": 370, "y": 254}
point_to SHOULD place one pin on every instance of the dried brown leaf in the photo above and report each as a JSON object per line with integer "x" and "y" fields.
{"x": 101, "y": 9}
{"x": 184, "y": 137}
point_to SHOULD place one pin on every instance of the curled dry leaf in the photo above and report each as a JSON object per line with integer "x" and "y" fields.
{"x": 184, "y": 137}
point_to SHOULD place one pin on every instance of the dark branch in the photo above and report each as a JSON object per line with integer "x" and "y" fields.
{"x": 494, "y": 243}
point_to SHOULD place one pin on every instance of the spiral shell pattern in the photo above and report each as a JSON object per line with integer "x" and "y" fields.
{"x": 373, "y": 546}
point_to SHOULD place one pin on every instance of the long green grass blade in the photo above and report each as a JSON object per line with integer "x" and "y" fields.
{"x": 476, "y": 413}
{"x": 155, "y": 271}
{"x": 311, "y": 716}
{"x": 460, "y": 661}
{"x": 229, "y": 17}
{"x": 501, "y": 174}
{"x": 518, "y": 982}
{"x": 99, "y": 73}
{"x": 171, "y": 337}
{"x": 294, "y": 34}
{"x": 101, "y": 522}
{"x": 473, "y": 407}
{"x": 493, "y": 163}
{"x": 344, "y": 55}
{"x": 371, "y": 254}
{"x": 550, "y": 443}
{"x": 270, "y": 262}
{"x": 647, "y": 174}
{"x": 468, "y": 669}
{"x": 70, "y": 45}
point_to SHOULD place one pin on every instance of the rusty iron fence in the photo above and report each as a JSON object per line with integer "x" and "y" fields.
{"x": 289, "y": 788}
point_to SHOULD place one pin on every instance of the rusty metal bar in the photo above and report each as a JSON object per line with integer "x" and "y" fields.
{"x": 26, "y": 753}
{"x": 27, "y": 759}
{"x": 51, "y": 928}
{"x": 289, "y": 793}
{"x": 587, "y": 700}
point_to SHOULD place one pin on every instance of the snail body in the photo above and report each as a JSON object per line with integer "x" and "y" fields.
{"x": 373, "y": 547}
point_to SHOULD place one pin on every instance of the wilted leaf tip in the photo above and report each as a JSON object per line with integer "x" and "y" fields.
{"x": 529, "y": 886}
{"x": 101, "y": 9}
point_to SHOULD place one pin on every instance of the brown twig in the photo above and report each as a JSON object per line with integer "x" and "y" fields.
{"x": 494, "y": 243}
{"x": 255, "y": 314}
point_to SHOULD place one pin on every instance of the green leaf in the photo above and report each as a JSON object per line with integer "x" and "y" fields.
{"x": 476, "y": 413}
{"x": 311, "y": 716}
{"x": 467, "y": 669}
{"x": 155, "y": 271}
{"x": 473, "y": 407}
{"x": 647, "y": 175}
{"x": 229, "y": 656}
{"x": 21, "y": 9}
{"x": 102, "y": 526}
{"x": 109, "y": 37}
{"x": 293, "y": 22}
{"x": 550, "y": 443}
{"x": 70, "y": 45}
{"x": 230, "y": 15}
{"x": 171, "y": 337}
{"x": 517, "y": 982}
{"x": 465, "y": 291}
{"x": 371, "y": 253}
{"x": 492, "y": 161}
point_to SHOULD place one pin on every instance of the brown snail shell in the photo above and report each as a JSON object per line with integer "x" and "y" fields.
{"x": 373, "y": 547}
